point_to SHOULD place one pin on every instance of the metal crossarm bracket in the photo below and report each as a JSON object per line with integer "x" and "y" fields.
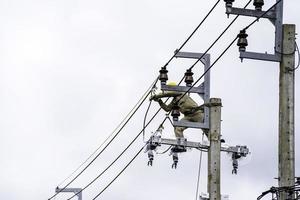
{"x": 251, "y": 13}
{"x": 203, "y": 90}
{"x": 261, "y": 56}
{"x": 72, "y": 190}
{"x": 243, "y": 151}
{"x": 275, "y": 16}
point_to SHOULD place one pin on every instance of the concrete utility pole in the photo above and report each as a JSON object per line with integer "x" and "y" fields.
{"x": 285, "y": 55}
{"x": 214, "y": 150}
{"x": 286, "y": 166}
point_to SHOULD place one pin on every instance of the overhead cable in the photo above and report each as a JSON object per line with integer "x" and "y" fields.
{"x": 110, "y": 135}
{"x": 262, "y": 15}
{"x": 199, "y": 170}
{"x": 208, "y": 69}
{"x": 190, "y": 36}
{"x": 297, "y": 48}
{"x": 145, "y": 97}
{"x": 128, "y": 163}
{"x": 120, "y": 172}
{"x": 98, "y": 176}
{"x": 224, "y": 31}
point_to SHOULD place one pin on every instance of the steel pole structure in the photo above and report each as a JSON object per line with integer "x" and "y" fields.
{"x": 286, "y": 153}
{"x": 214, "y": 151}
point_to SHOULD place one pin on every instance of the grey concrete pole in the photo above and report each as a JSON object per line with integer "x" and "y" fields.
{"x": 286, "y": 165}
{"x": 213, "y": 182}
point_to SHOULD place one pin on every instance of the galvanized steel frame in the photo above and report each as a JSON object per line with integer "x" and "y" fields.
{"x": 203, "y": 90}
{"x": 275, "y": 16}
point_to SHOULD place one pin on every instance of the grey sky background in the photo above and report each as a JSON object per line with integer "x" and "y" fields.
{"x": 71, "y": 70}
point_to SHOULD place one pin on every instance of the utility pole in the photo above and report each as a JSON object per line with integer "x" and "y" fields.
{"x": 286, "y": 166}
{"x": 285, "y": 55}
{"x": 214, "y": 151}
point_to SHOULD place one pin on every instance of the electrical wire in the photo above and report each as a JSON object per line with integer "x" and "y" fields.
{"x": 120, "y": 172}
{"x": 190, "y": 36}
{"x": 207, "y": 70}
{"x": 145, "y": 118}
{"x": 199, "y": 170}
{"x": 106, "y": 144}
{"x": 262, "y": 15}
{"x": 297, "y": 48}
{"x": 210, "y": 11}
{"x": 118, "y": 157}
{"x": 98, "y": 176}
{"x": 186, "y": 92}
{"x": 165, "y": 151}
{"x": 223, "y": 32}
{"x": 112, "y": 133}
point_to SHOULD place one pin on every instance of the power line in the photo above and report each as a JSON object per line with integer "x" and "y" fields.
{"x": 105, "y": 146}
{"x": 199, "y": 170}
{"x": 120, "y": 172}
{"x": 112, "y": 133}
{"x": 297, "y": 48}
{"x": 224, "y": 31}
{"x": 210, "y": 11}
{"x": 226, "y": 49}
{"x": 97, "y": 177}
{"x": 190, "y": 36}
{"x": 256, "y": 20}
{"x": 166, "y": 117}
{"x": 205, "y": 72}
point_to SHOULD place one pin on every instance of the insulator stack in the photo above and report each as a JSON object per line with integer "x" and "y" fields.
{"x": 258, "y": 4}
{"x": 163, "y": 75}
{"x": 242, "y": 41}
{"x": 229, "y": 3}
{"x": 189, "y": 77}
{"x": 175, "y": 113}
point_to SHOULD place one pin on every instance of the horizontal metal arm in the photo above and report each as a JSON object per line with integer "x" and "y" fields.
{"x": 260, "y": 56}
{"x": 158, "y": 141}
{"x": 251, "y": 13}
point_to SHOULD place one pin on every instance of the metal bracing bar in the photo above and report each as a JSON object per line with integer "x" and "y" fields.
{"x": 198, "y": 90}
{"x": 275, "y": 16}
{"x": 203, "y": 89}
{"x": 180, "y": 142}
{"x": 251, "y": 13}
{"x": 191, "y": 124}
{"x": 157, "y": 140}
{"x": 192, "y": 55}
{"x": 72, "y": 190}
{"x": 278, "y": 27}
{"x": 260, "y": 56}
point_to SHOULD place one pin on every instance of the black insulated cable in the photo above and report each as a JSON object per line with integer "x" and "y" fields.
{"x": 89, "y": 184}
{"x": 104, "y": 147}
{"x": 205, "y": 72}
{"x": 112, "y": 133}
{"x": 120, "y": 173}
{"x": 195, "y": 30}
{"x": 224, "y": 31}
{"x": 130, "y": 161}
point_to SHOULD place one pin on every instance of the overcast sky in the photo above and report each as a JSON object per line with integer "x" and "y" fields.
{"x": 70, "y": 71}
